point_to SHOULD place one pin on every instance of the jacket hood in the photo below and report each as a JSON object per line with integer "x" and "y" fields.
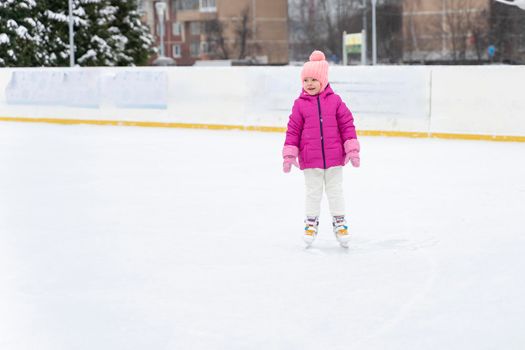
{"x": 323, "y": 94}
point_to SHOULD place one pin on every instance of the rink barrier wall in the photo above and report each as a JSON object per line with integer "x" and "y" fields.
{"x": 471, "y": 103}
{"x": 409, "y": 134}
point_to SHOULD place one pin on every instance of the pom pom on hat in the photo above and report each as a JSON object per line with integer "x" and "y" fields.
{"x": 316, "y": 68}
{"x": 317, "y": 56}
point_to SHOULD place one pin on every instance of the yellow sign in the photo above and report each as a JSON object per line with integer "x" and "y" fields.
{"x": 353, "y": 43}
{"x": 354, "y": 39}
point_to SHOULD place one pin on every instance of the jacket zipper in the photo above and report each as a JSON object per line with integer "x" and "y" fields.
{"x": 321, "y": 124}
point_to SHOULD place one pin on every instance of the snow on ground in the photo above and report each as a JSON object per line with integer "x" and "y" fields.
{"x": 143, "y": 238}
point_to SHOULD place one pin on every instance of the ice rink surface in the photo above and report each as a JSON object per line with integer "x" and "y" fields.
{"x": 116, "y": 238}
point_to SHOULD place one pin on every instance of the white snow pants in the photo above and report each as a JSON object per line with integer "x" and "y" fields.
{"x": 332, "y": 180}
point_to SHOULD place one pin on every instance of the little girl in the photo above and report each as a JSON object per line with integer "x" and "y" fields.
{"x": 321, "y": 133}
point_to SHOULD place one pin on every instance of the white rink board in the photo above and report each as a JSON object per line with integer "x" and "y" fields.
{"x": 386, "y": 98}
{"x": 479, "y": 100}
{"x": 468, "y": 100}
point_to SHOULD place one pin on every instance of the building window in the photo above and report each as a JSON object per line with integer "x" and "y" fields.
{"x": 175, "y": 4}
{"x": 204, "y": 47}
{"x": 208, "y": 6}
{"x": 195, "y": 28}
{"x": 141, "y": 7}
{"x": 195, "y": 49}
{"x": 176, "y": 28}
{"x": 188, "y": 5}
{"x": 176, "y": 51}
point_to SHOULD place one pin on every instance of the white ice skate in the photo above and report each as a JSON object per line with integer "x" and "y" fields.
{"x": 341, "y": 230}
{"x": 310, "y": 229}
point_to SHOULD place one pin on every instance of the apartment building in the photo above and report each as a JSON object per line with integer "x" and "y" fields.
{"x": 461, "y": 31}
{"x": 443, "y": 29}
{"x": 250, "y": 30}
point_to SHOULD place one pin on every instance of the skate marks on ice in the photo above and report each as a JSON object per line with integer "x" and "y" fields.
{"x": 419, "y": 297}
{"x": 358, "y": 245}
{"x": 362, "y": 245}
{"x": 421, "y": 251}
{"x": 418, "y": 251}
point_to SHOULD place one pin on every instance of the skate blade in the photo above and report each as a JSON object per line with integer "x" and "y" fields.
{"x": 308, "y": 240}
{"x": 343, "y": 240}
{"x": 344, "y": 245}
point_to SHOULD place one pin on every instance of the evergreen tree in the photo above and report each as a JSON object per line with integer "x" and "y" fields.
{"x": 110, "y": 33}
{"x": 107, "y": 33}
{"x": 92, "y": 33}
{"x": 135, "y": 42}
{"x": 54, "y": 14}
{"x": 20, "y": 34}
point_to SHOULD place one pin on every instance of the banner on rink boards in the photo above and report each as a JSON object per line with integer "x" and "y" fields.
{"x": 88, "y": 88}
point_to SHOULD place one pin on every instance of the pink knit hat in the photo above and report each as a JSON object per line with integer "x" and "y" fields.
{"x": 316, "y": 68}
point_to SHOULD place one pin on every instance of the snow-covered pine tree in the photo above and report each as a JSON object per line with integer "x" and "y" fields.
{"x": 112, "y": 35}
{"x": 92, "y": 25}
{"x": 20, "y": 34}
{"x": 135, "y": 42}
{"x": 107, "y": 33}
{"x": 54, "y": 14}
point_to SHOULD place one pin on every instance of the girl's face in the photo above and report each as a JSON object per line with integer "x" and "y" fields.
{"x": 311, "y": 86}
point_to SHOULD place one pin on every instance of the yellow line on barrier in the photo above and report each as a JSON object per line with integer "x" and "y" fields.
{"x": 143, "y": 124}
{"x": 439, "y": 135}
{"x": 499, "y": 138}
{"x": 415, "y": 134}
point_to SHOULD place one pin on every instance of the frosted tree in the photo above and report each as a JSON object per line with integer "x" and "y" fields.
{"x": 133, "y": 40}
{"x": 107, "y": 33}
{"x": 54, "y": 16}
{"x": 92, "y": 26}
{"x": 20, "y": 34}
{"x": 110, "y": 33}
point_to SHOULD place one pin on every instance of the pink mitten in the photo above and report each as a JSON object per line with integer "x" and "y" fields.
{"x": 290, "y": 154}
{"x": 352, "y": 152}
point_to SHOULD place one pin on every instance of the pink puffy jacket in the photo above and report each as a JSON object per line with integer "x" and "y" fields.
{"x": 319, "y": 126}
